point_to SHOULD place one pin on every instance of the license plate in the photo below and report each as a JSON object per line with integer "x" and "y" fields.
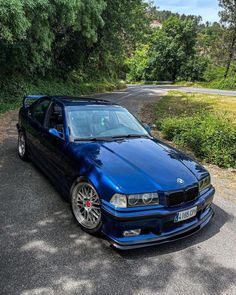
{"x": 184, "y": 215}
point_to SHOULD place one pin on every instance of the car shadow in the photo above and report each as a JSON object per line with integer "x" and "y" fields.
{"x": 221, "y": 217}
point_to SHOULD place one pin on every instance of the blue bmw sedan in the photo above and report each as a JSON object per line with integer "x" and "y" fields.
{"x": 120, "y": 181}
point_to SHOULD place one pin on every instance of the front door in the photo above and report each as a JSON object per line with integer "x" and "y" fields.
{"x": 54, "y": 146}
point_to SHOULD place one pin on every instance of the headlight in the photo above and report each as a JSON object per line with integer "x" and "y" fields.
{"x": 204, "y": 183}
{"x": 143, "y": 199}
{"x": 123, "y": 201}
{"x": 147, "y": 199}
{"x": 133, "y": 200}
{"x": 119, "y": 201}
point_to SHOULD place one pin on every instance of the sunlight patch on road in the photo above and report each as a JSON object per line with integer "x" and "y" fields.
{"x": 38, "y": 291}
{"x": 39, "y": 246}
{"x": 71, "y": 285}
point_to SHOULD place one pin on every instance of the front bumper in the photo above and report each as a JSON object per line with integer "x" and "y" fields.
{"x": 157, "y": 225}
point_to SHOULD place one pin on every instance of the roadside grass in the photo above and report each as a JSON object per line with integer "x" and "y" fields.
{"x": 202, "y": 123}
{"x": 12, "y": 94}
{"x": 222, "y": 84}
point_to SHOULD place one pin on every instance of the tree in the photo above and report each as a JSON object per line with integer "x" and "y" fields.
{"x": 209, "y": 43}
{"x": 228, "y": 17}
{"x": 12, "y": 33}
{"x": 138, "y": 64}
{"x": 173, "y": 46}
{"x": 126, "y": 25}
{"x": 43, "y": 37}
{"x": 163, "y": 15}
{"x": 40, "y": 30}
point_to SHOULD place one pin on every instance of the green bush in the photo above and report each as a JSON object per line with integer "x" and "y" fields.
{"x": 214, "y": 77}
{"x": 228, "y": 83}
{"x": 214, "y": 72}
{"x": 209, "y": 137}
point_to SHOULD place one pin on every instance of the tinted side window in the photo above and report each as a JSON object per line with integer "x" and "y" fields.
{"x": 39, "y": 111}
{"x": 55, "y": 119}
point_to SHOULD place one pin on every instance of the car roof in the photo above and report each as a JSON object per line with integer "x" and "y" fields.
{"x": 75, "y": 100}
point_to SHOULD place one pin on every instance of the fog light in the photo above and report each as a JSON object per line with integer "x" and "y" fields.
{"x": 132, "y": 232}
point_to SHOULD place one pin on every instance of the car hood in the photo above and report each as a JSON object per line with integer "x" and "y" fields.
{"x": 141, "y": 165}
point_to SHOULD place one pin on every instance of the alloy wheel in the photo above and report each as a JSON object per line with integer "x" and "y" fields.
{"x": 86, "y": 205}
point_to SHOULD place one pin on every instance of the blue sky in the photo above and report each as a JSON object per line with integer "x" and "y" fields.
{"x": 208, "y": 9}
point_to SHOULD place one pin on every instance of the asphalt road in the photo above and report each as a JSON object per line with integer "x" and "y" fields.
{"x": 43, "y": 251}
{"x": 186, "y": 89}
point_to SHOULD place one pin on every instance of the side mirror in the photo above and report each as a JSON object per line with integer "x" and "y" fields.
{"x": 54, "y": 132}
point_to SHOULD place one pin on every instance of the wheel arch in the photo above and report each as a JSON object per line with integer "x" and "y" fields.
{"x": 80, "y": 178}
{"x": 104, "y": 185}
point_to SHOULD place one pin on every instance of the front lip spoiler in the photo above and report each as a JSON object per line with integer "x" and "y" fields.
{"x": 161, "y": 240}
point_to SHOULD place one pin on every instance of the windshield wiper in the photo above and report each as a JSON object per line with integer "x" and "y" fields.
{"x": 94, "y": 139}
{"x": 131, "y": 136}
{"x": 110, "y": 138}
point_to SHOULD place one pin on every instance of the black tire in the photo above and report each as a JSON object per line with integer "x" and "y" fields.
{"x": 22, "y": 146}
{"x": 78, "y": 203}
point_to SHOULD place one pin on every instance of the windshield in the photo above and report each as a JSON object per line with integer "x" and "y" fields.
{"x": 87, "y": 122}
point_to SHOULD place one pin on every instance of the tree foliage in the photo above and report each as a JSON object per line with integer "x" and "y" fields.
{"x": 209, "y": 43}
{"x": 171, "y": 45}
{"x": 170, "y": 54}
{"x": 185, "y": 48}
{"x": 110, "y": 38}
{"x": 125, "y": 27}
{"x": 163, "y": 15}
{"x": 228, "y": 17}
{"x": 44, "y": 37}
{"x": 138, "y": 64}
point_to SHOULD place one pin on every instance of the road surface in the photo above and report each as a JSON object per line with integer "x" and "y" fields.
{"x": 187, "y": 89}
{"x": 43, "y": 251}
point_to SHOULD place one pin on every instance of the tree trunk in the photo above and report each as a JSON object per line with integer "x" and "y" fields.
{"x": 173, "y": 75}
{"x": 231, "y": 54}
